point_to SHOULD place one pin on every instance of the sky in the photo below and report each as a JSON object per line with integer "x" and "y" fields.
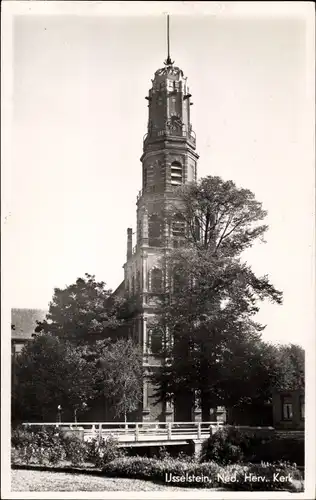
{"x": 78, "y": 116}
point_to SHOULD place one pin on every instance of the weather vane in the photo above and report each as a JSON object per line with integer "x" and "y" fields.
{"x": 168, "y": 61}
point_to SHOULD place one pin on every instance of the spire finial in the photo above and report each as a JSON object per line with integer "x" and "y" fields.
{"x": 168, "y": 61}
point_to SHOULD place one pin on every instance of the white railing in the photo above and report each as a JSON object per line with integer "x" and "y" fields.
{"x": 138, "y": 431}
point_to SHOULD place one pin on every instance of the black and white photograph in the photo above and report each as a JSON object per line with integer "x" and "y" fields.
{"x": 158, "y": 249}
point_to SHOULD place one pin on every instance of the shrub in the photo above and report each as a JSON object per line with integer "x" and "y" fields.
{"x": 21, "y": 436}
{"x": 76, "y": 450}
{"x": 227, "y": 445}
{"x": 100, "y": 452}
{"x": 40, "y": 446}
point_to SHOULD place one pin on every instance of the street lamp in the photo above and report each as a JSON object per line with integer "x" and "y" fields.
{"x": 83, "y": 407}
{"x": 59, "y": 413}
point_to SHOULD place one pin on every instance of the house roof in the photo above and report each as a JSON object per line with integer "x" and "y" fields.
{"x": 24, "y": 321}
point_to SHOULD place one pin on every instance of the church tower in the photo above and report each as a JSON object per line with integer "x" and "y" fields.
{"x": 169, "y": 160}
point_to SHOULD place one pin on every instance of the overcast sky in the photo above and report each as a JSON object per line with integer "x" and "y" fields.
{"x": 79, "y": 117}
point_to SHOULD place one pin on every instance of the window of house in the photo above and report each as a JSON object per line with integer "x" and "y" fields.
{"x": 154, "y": 231}
{"x": 176, "y": 174}
{"x": 302, "y": 407}
{"x": 156, "y": 280}
{"x": 287, "y": 408}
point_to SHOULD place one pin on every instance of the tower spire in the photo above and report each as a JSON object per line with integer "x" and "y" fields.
{"x": 168, "y": 61}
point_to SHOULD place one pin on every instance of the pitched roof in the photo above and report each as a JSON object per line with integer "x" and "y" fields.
{"x": 24, "y": 321}
{"x": 120, "y": 290}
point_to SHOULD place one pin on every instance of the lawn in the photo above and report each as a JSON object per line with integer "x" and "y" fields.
{"x": 27, "y": 480}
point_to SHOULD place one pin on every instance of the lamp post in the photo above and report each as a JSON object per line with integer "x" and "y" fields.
{"x": 59, "y": 414}
{"x": 83, "y": 407}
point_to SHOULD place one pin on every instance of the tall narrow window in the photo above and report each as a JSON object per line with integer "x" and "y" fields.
{"x": 287, "y": 408}
{"x": 178, "y": 279}
{"x": 154, "y": 231}
{"x": 133, "y": 285}
{"x": 156, "y": 280}
{"x": 156, "y": 342}
{"x": 176, "y": 174}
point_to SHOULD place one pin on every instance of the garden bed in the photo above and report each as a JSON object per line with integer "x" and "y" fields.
{"x": 221, "y": 465}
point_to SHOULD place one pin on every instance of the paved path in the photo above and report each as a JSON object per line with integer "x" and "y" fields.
{"x": 26, "y": 480}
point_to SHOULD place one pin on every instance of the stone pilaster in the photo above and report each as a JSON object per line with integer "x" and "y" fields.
{"x": 145, "y": 228}
{"x": 169, "y": 411}
{"x": 196, "y": 410}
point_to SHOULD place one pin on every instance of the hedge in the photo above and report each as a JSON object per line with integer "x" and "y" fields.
{"x": 208, "y": 474}
{"x": 230, "y": 445}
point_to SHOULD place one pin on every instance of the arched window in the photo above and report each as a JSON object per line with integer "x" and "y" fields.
{"x": 156, "y": 280}
{"x": 155, "y": 343}
{"x": 154, "y": 339}
{"x": 154, "y": 231}
{"x": 176, "y": 174}
{"x": 178, "y": 279}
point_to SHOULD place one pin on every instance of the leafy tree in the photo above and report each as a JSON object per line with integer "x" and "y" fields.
{"x": 84, "y": 310}
{"x": 121, "y": 374}
{"x": 207, "y": 313}
{"x": 50, "y": 372}
{"x": 290, "y": 363}
{"x": 220, "y": 217}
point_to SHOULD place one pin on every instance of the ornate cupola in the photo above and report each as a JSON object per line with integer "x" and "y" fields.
{"x": 169, "y": 131}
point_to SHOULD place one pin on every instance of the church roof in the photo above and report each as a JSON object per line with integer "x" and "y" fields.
{"x": 24, "y": 321}
{"x": 120, "y": 290}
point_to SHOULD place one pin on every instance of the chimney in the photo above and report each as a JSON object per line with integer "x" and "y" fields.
{"x": 129, "y": 242}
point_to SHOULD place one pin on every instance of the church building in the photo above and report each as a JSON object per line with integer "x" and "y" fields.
{"x": 169, "y": 160}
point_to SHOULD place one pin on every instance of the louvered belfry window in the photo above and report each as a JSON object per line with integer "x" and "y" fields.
{"x": 176, "y": 174}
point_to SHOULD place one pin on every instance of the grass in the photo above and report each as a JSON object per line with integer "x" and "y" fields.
{"x": 28, "y": 480}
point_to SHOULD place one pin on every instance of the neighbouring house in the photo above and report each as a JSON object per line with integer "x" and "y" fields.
{"x": 23, "y": 323}
{"x": 289, "y": 409}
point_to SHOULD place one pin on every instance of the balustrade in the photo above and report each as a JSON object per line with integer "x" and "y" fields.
{"x": 138, "y": 431}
